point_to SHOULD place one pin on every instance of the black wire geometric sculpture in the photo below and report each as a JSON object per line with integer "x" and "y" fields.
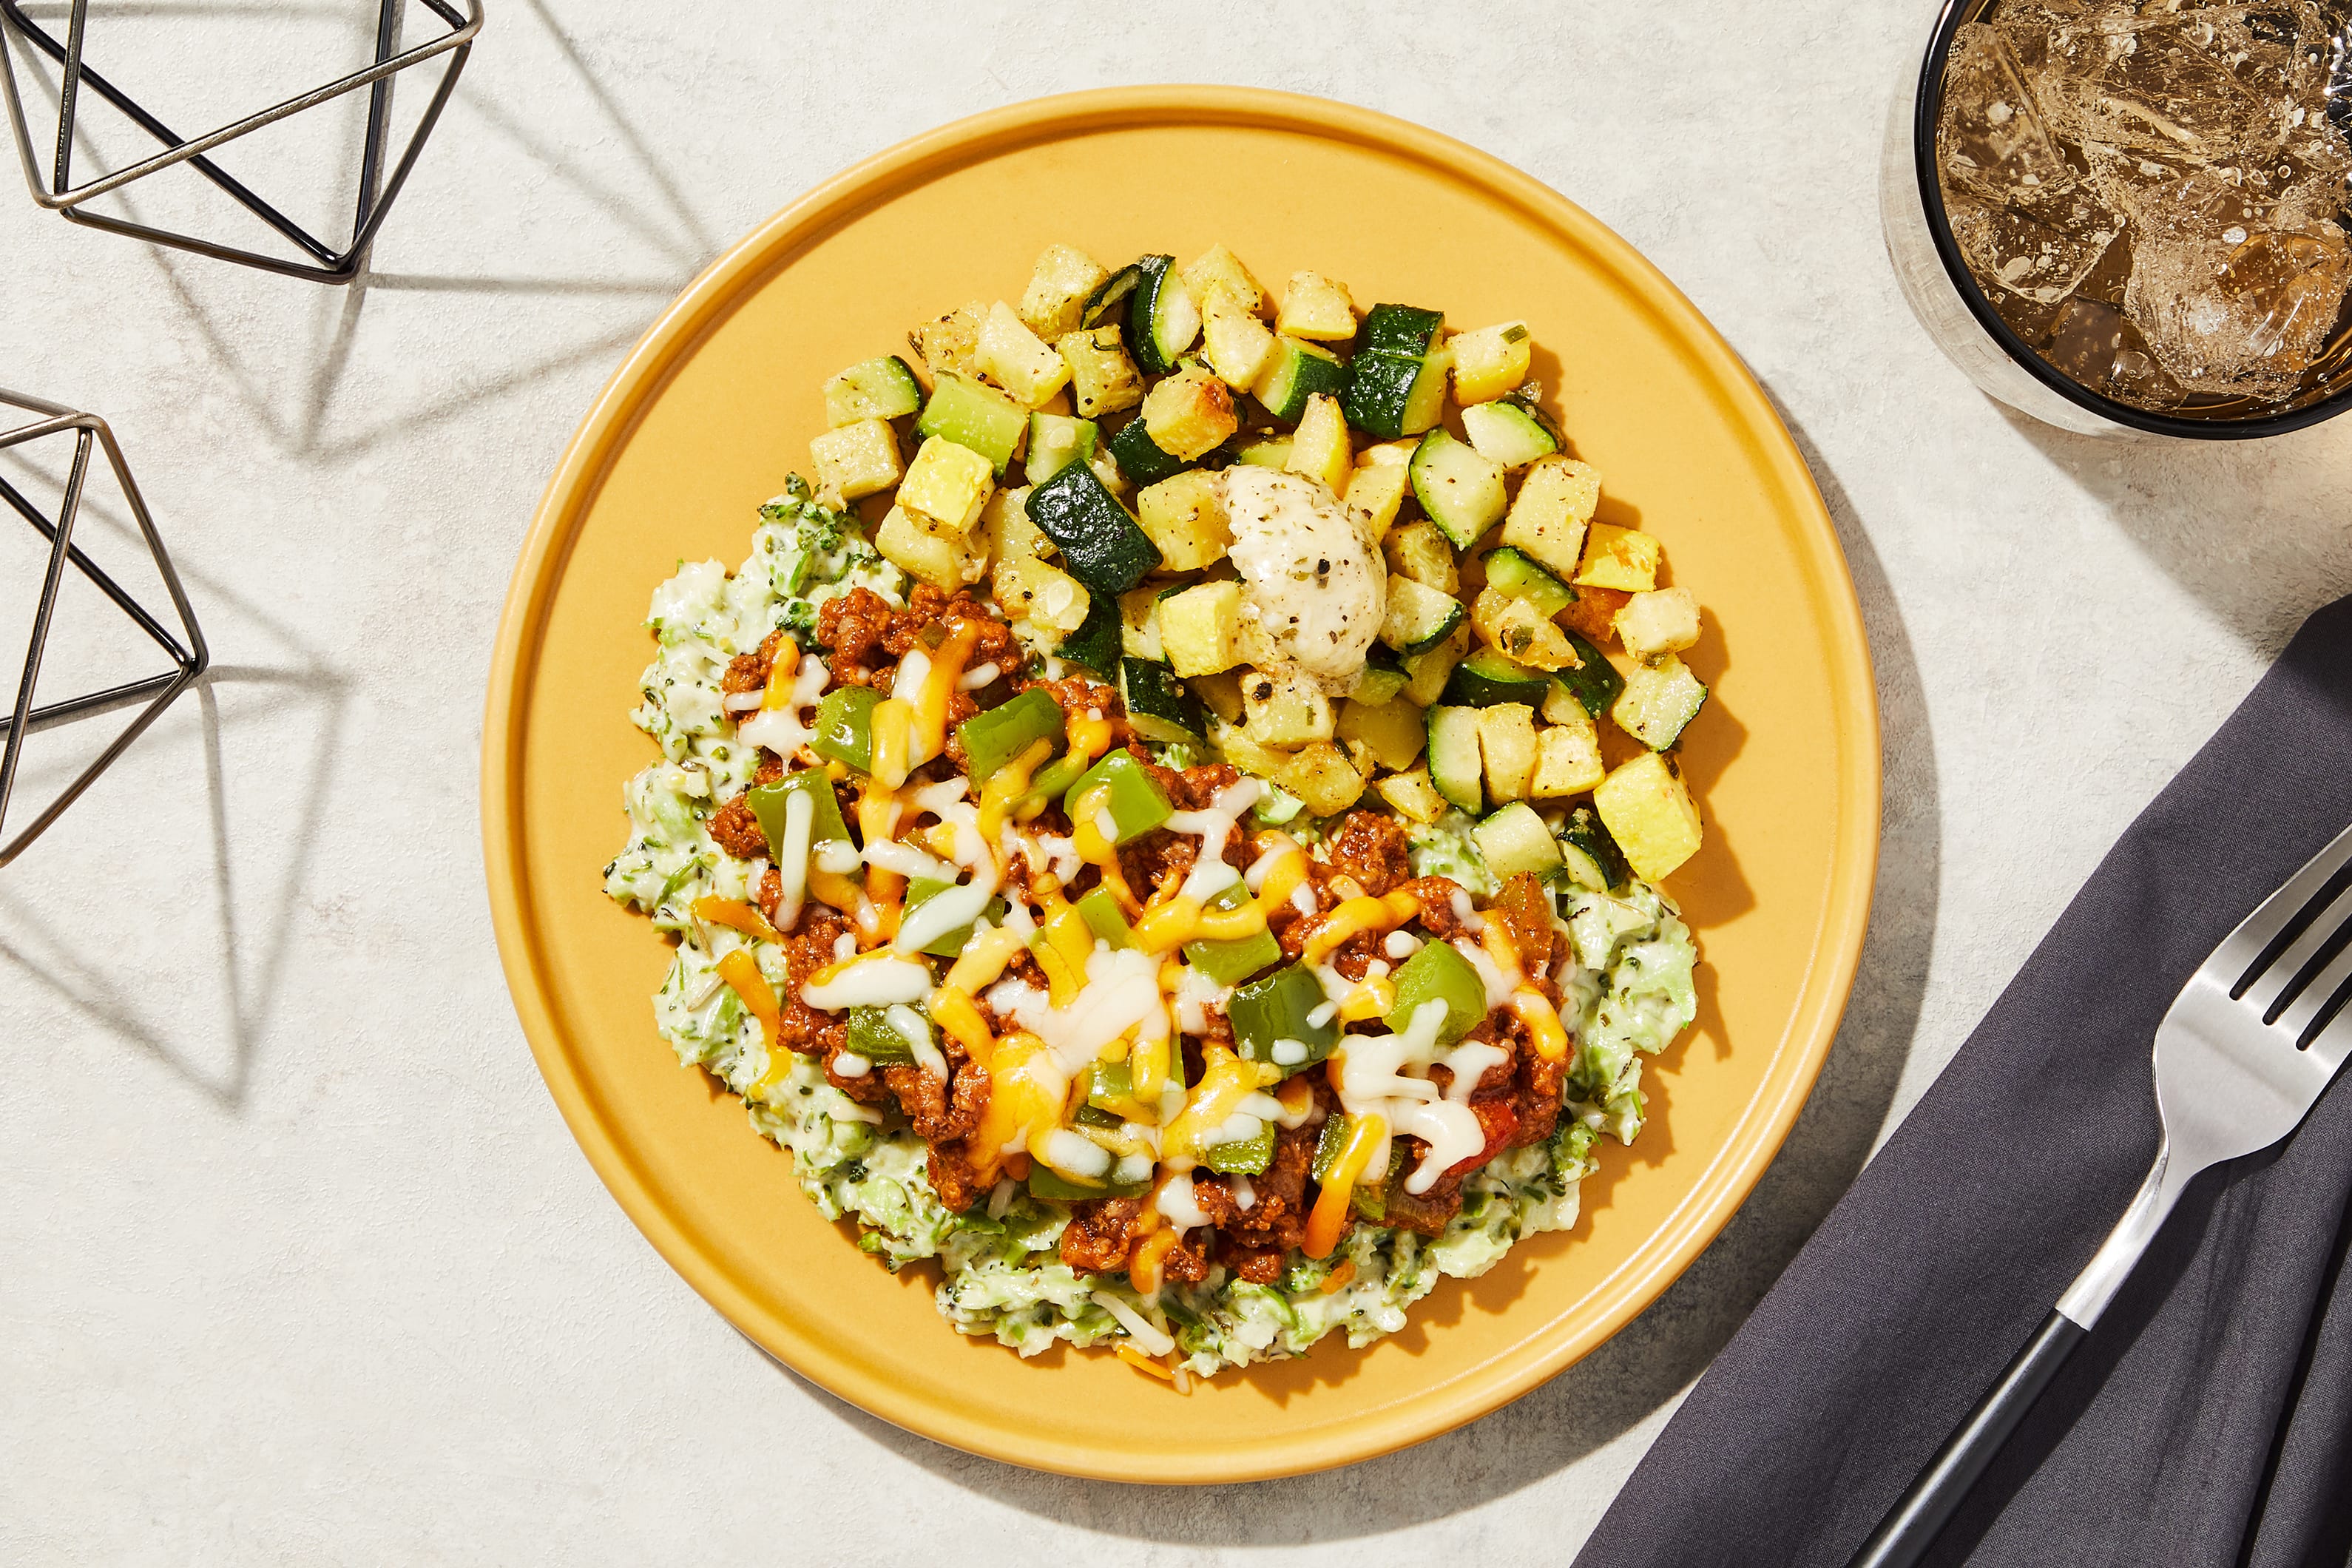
{"x": 189, "y": 659}
{"x": 328, "y": 264}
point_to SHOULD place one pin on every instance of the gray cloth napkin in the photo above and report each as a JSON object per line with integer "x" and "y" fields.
{"x": 2207, "y": 1419}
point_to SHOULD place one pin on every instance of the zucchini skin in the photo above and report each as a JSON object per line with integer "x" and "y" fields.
{"x": 1158, "y": 706}
{"x": 1584, "y": 832}
{"x": 1109, "y": 298}
{"x": 1306, "y": 369}
{"x": 1140, "y": 458}
{"x": 1379, "y": 387}
{"x": 1516, "y": 572}
{"x": 1596, "y": 683}
{"x": 1143, "y": 311}
{"x": 1460, "y": 778}
{"x": 1096, "y": 641}
{"x": 1101, "y": 543}
{"x": 1405, "y": 330}
{"x": 1486, "y": 678}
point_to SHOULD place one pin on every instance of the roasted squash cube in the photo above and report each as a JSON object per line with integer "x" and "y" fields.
{"x": 1189, "y": 415}
{"x": 1420, "y": 551}
{"x": 1017, "y": 359}
{"x": 1315, "y": 308}
{"x": 946, "y": 562}
{"x": 1516, "y": 627}
{"x": 1664, "y": 620}
{"x": 1547, "y": 517}
{"x": 1221, "y": 268}
{"x": 1622, "y": 558}
{"x": 1506, "y": 742}
{"x": 1103, "y": 379}
{"x": 1427, "y": 673}
{"x": 1184, "y": 515}
{"x": 1412, "y": 796}
{"x": 1396, "y": 731}
{"x": 1322, "y": 777}
{"x": 1199, "y": 628}
{"x": 1491, "y": 360}
{"x": 1044, "y": 597}
{"x": 946, "y": 486}
{"x": 1237, "y": 343}
{"x": 1567, "y": 759}
{"x": 1058, "y": 287}
{"x": 1283, "y": 708}
{"x": 949, "y": 344}
{"x": 1647, "y": 809}
{"x": 860, "y": 460}
{"x": 1375, "y": 491}
{"x": 1319, "y": 447}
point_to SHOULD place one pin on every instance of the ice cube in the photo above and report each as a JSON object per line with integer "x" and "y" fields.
{"x": 1991, "y": 140}
{"x": 2180, "y": 198}
{"x": 2098, "y": 346}
{"x": 2040, "y": 254}
{"x": 2162, "y": 83}
{"x": 2244, "y": 318}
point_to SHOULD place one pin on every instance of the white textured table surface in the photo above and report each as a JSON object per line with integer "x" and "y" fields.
{"x": 298, "y": 1262}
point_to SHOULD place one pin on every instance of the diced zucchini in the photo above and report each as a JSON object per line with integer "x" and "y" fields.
{"x": 1102, "y": 546}
{"x": 1320, "y": 449}
{"x": 1271, "y": 452}
{"x": 1141, "y": 459}
{"x": 1199, "y": 628}
{"x": 1455, "y": 767}
{"x": 1237, "y": 343}
{"x": 854, "y": 461}
{"x": 1507, "y": 740}
{"x": 1158, "y": 706}
{"x": 1664, "y": 620}
{"x": 1649, "y": 813}
{"x": 1103, "y": 379}
{"x": 883, "y": 388}
{"x": 1396, "y": 383}
{"x": 1592, "y": 681}
{"x": 1058, "y": 287}
{"x": 1419, "y": 618}
{"x": 1381, "y": 678}
{"x": 1515, "y": 842}
{"x": 1622, "y": 558}
{"x": 1491, "y": 360}
{"x": 1222, "y": 691}
{"x": 1219, "y": 267}
{"x": 1284, "y": 709}
{"x": 1509, "y": 432}
{"x": 1374, "y": 493}
{"x": 945, "y": 561}
{"x": 1107, "y": 306}
{"x": 1486, "y": 677}
{"x": 1547, "y": 517}
{"x": 1420, "y": 549}
{"x": 948, "y": 344}
{"x": 1567, "y": 759}
{"x": 1185, "y": 516}
{"x": 1316, "y": 307}
{"x": 976, "y": 416}
{"x": 1095, "y": 642}
{"x": 1056, "y": 441}
{"x": 1406, "y": 329}
{"x": 1427, "y": 673}
{"x": 1017, "y": 359}
{"x": 1589, "y": 857}
{"x": 1518, "y": 575}
{"x": 1394, "y": 730}
{"x": 1322, "y": 777}
{"x": 1163, "y": 320}
{"x": 1139, "y": 629}
{"x": 1462, "y": 491}
{"x": 1412, "y": 796}
{"x": 946, "y": 486}
{"x": 1047, "y": 597}
{"x": 1660, "y": 698}
{"x": 1295, "y": 372}
{"x": 1189, "y": 415}
{"x": 1521, "y": 631}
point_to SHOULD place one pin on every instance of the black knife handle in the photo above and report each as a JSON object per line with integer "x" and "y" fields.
{"x": 1910, "y": 1526}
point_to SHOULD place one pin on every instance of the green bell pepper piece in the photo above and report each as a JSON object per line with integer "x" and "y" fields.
{"x": 875, "y": 1037}
{"x": 1045, "y": 1183}
{"x": 1119, "y": 784}
{"x": 825, "y": 825}
{"x": 1438, "y": 973}
{"x": 1249, "y": 1157}
{"x": 1106, "y": 920}
{"x": 921, "y": 891}
{"x": 995, "y": 738}
{"x": 1225, "y": 963}
{"x": 845, "y": 727}
{"x": 1054, "y": 780}
{"x": 1279, "y": 1007}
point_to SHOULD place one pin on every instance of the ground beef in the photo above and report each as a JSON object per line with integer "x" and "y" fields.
{"x": 805, "y": 1029}
{"x": 959, "y": 1181}
{"x": 1187, "y": 1262}
{"x": 1594, "y": 612}
{"x": 747, "y": 672}
{"x": 1101, "y": 1232}
{"x": 1371, "y": 847}
{"x": 1196, "y": 789}
{"x": 734, "y": 829}
{"x": 1077, "y": 694}
{"x": 942, "y": 1112}
{"x": 866, "y": 638}
{"x": 1536, "y": 1098}
{"x": 851, "y": 627}
{"x": 1428, "y": 1212}
{"x": 1156, "y": 858}
{"x": 1436, "y": 897}
{"x": 1278, "y": 1219}
{"x": 1254, "y": 1265}
{"x": 1524, "y": 913}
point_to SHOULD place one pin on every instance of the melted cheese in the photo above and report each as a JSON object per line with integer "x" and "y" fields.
{"x": 795, "y": 685}
{"x": 876, "y": 980}
{"x": 1373, "y": 1082}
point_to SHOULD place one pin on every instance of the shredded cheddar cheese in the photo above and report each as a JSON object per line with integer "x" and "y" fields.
{"x": 736, "y": 915}
{"x": 1329, "y": 1216}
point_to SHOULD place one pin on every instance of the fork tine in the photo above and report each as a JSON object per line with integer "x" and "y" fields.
{"x": 2287, "y": 970}
{"x": 2317, "y": 995}
{"x": 2254, "y": 948}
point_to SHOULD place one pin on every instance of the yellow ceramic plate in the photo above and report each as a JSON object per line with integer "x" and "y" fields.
{"x": 717, "y": 405}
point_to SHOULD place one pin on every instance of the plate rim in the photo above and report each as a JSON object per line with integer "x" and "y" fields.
{"x": 1718, "y": 1191}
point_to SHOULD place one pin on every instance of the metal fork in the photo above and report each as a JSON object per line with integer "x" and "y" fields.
{"x": 2249, "y": 1043}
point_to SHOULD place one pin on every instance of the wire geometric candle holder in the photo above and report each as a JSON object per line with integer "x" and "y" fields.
{"x": 189, "y": 656}
{"x": 325, "y": 263}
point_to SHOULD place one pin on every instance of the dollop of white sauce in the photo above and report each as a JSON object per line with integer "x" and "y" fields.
{"x": 1313, "y": 582}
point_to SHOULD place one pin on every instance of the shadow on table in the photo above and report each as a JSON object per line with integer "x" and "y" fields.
{"x": 2260, "y": 531}
{"x": 1629, "y": 1380}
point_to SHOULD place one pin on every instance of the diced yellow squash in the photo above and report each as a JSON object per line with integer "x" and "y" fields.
{"x": 1261, "y": 761}
{"x": 1103, "y": 379}
{"x": 1506, "y": 742}
{"x": 946, "y": 486}
{"x": 1315, "y": 308}
{"x": 1374, "y": 494}
{"x": 1547, "y": 519}
{"x": 1491, "y": 360}
{"x": 1567, "y": 759}
{"x": 1283, "y": 708}
{"x": 1221, "y": 268}
{"x": 1322, "y": 777}
{"x": 1382, "y": 453}
{"x": 1664, "y": 620}
{"x": 1514, "y": 627}
{"x": 1199, "y": 628}
{"x": 1017, "y": 359}
{"x": 1005, "y": 523}
{"x": 1045, "y": 596}
{"x": 1184, "y": 515}
{"x": 1560, "y": 707}
{"x": 1622, "y": 558}
{"x": 1058, "y": 287}
{"x": 1412, "y": 796}
{"x": 1319, "y": 447}
{"x": 948, "y": 561}
{"x": 950, "y": 343}
{"x": 1271, "y": 452}
{"x": 1237, "y": 343}
{"x": 1394, "y": 730}
{"x": 1222, "y": 693}
{"x": 860, "y": 460}
{"x": 1426, "y": 673}
{"x": 1648, "y": 811}
{"x": 1189, "y": 415}
{"x": 1139, "y": 624}
{"x": 1420, "y": 551}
